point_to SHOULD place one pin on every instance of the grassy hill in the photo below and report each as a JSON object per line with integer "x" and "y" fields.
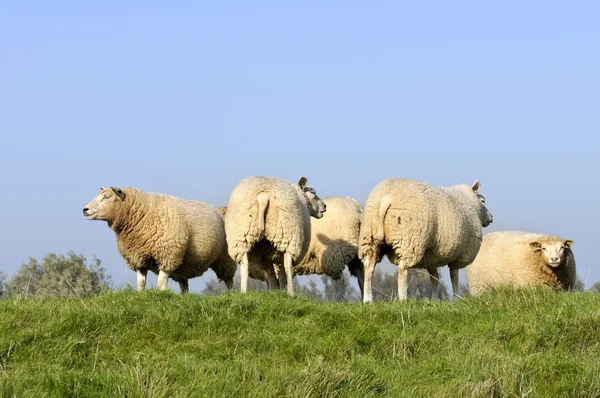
{"x": 160, "y": 344}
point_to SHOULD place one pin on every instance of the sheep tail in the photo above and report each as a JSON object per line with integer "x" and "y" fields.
{"x": 263, "y": 203}
{"x": 384, "y": 205}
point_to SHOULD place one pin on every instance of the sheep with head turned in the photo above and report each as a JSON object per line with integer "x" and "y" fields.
{"x": 419, "y": 225}
{"x": 268, "y": 222}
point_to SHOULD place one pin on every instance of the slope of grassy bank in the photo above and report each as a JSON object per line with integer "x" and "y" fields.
{"x": 160, "y": 344}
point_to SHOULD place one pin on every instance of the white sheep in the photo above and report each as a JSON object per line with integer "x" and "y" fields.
{"x": 268, "y": 222}
{"x": 416, "y": 224}
{"x": 169, "y": 236}
{"x": 334, "y": 243}
{"x": 522, "y": 258}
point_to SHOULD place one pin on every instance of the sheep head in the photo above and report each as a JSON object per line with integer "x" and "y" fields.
{"x": 484, "y": 214}
{"x": 552, "y": 252}
{"x": 316, "y": 206}
{"x": 105, "y": 206}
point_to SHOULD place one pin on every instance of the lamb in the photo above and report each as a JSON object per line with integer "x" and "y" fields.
{"x": 334, "y": 243}
{"x": 419, "y": 225}
{"x": 268, "y": 222}
{"x": 522, "y": 258}
{"x": 172, "y": 237}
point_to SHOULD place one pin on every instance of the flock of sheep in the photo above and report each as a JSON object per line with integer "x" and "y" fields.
{"x": 275, "y": 230}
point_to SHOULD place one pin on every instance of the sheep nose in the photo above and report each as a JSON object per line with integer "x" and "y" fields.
{"x": 85, "y": 209}
{"x": 554, "y": 259}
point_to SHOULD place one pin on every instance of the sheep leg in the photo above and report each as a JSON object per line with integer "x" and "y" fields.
{"x": 369, "y": 263}
{"x": 163, "y": 278}
{"x": 287, "y": 265}
{"x": 280, "y": 277}
{"x": 454, "y": 280}
{"x": 338, "y": 285}
{"x": 244, "y": 271}
{"x": 141, "y": 279}
{"x": 184, "y": 286}
{"x": 272, "y": 282}
{"x": 402, "y": 281}
{"x": 434, "y": 277}
{"x": 357, "y": 269}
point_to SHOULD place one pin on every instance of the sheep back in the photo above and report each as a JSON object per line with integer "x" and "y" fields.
{"x": 424, "y": 225}
{"x": 162, "y": 232}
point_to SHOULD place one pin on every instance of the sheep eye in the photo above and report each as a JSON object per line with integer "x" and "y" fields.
{"x": 105, "y": 197}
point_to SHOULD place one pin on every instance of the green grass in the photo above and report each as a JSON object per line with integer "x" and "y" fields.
{"x": 158, "y": 344}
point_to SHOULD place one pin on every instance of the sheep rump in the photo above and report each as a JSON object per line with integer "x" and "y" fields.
{"x": 264, "y": 274}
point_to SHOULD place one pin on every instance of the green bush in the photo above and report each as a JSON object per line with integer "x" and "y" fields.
{"x": 59, "y": 276}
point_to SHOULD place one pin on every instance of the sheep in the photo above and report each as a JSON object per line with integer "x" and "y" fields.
{"x": 522, "y": 258}
{"x": 167, "y": 235}
{"x": 268, "y": 222}
{"x": 334, "y": 243}
{"x": 416, "y": 224}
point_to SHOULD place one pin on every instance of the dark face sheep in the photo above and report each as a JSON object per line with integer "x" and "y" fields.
{"x": 316, "y": 207}
{"x": 552, "y": 252}
{"x": 105, "y": 206}
{"x": 484, "y": 214}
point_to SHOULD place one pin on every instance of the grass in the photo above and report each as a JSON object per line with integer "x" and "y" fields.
{"x": 159, "y": 344}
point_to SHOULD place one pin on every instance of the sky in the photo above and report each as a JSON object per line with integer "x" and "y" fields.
{"x": 188, "y": 98}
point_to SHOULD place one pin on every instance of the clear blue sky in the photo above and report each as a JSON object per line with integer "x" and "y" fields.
{"x": 187, "y": 98}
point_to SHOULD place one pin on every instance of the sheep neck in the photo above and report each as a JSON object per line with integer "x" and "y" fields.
{"x": 301, "y": 196}
{"x": 132, "y": 212}
{"x": 464, "y": 203}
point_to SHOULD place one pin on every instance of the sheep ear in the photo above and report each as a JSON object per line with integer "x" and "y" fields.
{"x": 302, "y": 182}
{"x": 102, "y": 189}
{"x": 536, "y": 245}
{"x": 476, "y": 186}
{"x": 119, "y": 192}
{"x": 568, "y": 244}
